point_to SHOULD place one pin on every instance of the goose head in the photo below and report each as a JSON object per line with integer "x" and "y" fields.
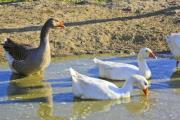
{"x": 145, "y": 53}
{"x": 54, "y": 23}
{"x": 141, "y": 82}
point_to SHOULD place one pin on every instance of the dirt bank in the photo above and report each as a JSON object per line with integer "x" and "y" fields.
{"x": 22, "y": 22}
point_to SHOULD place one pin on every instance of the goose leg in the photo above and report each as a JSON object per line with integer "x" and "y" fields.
{"x": 177, "y": 62}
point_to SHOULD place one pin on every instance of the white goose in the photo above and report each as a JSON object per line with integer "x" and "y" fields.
{"x": 86, "y": 87}
{"x": 173, "y": 41}
{"x": 122, "y": 71}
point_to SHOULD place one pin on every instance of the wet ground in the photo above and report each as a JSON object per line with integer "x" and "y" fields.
{"x": 49, "y": 96}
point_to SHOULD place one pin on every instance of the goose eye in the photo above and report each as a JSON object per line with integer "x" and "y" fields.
{"x": 145, "y": 83}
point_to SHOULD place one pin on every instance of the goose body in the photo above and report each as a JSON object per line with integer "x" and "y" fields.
{"x": 173, "y": 41}
{"x": 122, "y": 71}
{"x": 86, "y": 87}
{"x": 24, "y": 59}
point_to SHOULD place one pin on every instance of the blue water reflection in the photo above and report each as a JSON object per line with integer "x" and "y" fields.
{"x": 57, "y": 75}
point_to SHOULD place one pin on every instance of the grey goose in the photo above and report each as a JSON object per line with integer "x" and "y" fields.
{"x": 26, "y": 60}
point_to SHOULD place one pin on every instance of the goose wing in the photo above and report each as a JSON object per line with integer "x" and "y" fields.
{"x": 92, "y": 88}
{"x": 108, "y": 65}
{"x": 15, "y": 50}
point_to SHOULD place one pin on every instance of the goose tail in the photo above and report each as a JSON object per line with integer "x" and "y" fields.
{"x": 74, "y": 74}
{"x": 6, "y": 46}
{"x": 97, "y": 60}
{"x": 76, "y": 84}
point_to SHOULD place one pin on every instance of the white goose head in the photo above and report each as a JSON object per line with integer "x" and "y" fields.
{"x": 141, "y": 82}
{"x": 145, "y": 53}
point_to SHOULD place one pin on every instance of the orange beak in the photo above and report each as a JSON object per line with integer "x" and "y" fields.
{"x": 61, "y": 24}
{"x": 146, "y": 91}
{"x": 152, "y": 55}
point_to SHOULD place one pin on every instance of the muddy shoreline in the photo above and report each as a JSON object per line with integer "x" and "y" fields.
{"x": 22, "y": 22}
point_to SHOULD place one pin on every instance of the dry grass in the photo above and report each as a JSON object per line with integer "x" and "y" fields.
{"x": 119, "y": 37}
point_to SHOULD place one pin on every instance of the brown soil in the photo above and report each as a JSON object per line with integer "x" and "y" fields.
{"x": 22, "y": 22}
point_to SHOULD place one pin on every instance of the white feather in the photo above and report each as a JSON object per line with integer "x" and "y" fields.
{"x": 122, "y": 71}
{"x": 173, "y": 41}
{"x": 87, "y": 87}
{"x": 10, "y": 59}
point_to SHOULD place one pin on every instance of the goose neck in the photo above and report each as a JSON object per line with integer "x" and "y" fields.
{"x": 127, "y": 87}
{"x": 143, "y": 67}
{"x": 141, "y": 61}
{"x": 44, "y": 36}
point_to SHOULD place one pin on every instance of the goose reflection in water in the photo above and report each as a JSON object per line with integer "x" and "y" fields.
{"x": 84, "y": 108}
{"x": 140, "y": 105}
{"x": 33, "y": 89}
{"x": 174, "y": 83}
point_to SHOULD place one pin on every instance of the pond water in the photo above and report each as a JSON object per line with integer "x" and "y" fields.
{"x": 49, "y": 96}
